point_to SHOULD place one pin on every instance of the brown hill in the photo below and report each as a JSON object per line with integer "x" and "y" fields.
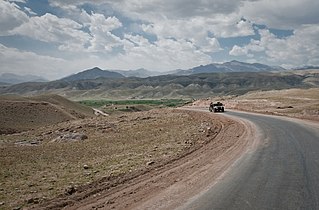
{"x": 171, "y": 86}
{"x": 22, "y": 113}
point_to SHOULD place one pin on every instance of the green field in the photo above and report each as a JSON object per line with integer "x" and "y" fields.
{"x": 155, "y": 103}
{"x": 120, "y": 106}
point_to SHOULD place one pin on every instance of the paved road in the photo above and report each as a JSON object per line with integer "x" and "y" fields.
{"x": 282, "y": 173}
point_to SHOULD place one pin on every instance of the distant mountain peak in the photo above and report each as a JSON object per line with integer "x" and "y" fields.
{"x": 93, "y": 73}
{"x": 230, "y": 66}
{"x": 11, "y": 78}
{"x": 237, "y": 62}
{"x": 141, "y": 72}
{"x": 95, "y": 69}
{"x": 234, "y": 61}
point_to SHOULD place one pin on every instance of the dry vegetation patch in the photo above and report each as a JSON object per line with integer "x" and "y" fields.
{"x": 40, "y": 164}
{"x": 299, "y": 103}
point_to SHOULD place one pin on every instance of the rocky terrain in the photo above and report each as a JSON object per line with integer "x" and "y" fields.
{"x": 64, "y": 151}
{"x": 56, "y": 153}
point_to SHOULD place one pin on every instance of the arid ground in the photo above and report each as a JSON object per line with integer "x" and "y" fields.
{"x": 56, "y": 153}
{"x": 68, "y": 155}
{"x": 297, "y": 103}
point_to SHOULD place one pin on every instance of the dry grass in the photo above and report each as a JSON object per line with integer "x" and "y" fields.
{"x": 40, "y": 167}
{"x": 300, "y": 103}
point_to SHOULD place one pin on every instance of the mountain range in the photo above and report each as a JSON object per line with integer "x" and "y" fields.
{"x": 142, "y": 73}
{"x": 169, "y": 86}
{"x": 92, "y": 74}
{"x": 230, "y": 78}
{"x": 95, "y": 73}
{"x": 232, "y": 66}
{"x": 10, "y": 78}
{"x": 306, "y": 68}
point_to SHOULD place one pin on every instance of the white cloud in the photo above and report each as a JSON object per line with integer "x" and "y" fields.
{"x": 68, "y": 34}
{"x": 20, "y": 62}
{"x": 66, "y": 5}
{"x": 195, "y": 21}
{"x": 21, "y": 1}
{"x": 184, "y": 33}
{"x": 100, "y": 23}
{"x": 197, "y": 30}
{"x": 102, "y": 42}
{"x": 284, "y": 14}
{"x": 238, "y": 51}
{"x": 151, "y": 10}
{"x": 28, "y": 10}
{"x": 181, "y": 19}
{"x": 247, "y": 50}
{"x": 10, "y": 17}
{"x": 212, "y": 45}
{"x": 100, "y": 30}
{"x": 302, "y": 48}
{"x": 50, "y": 28}
{"x": 164, "y": 54}
{"x": 229, "y": 26}
{"x": 24, "y": 62}
{"x": 219, "y": 17}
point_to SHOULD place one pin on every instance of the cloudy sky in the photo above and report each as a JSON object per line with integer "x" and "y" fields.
{"x": 55, "y": 38}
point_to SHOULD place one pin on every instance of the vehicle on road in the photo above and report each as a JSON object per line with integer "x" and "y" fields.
{"x": 217, "y": 107}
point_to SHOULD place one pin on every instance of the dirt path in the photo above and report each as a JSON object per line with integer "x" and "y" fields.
{"x": 170, "y": 186}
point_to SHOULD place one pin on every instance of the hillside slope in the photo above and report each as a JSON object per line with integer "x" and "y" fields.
{"x": 171, "y": 86}
{"x": 232, "y": 66}
{"x": 21, "y": 113}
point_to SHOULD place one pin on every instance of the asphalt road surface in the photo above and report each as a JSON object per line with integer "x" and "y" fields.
{"x": 282, "y": 173}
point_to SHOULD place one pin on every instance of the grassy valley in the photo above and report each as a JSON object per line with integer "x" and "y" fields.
{"x": 133, "y": 105}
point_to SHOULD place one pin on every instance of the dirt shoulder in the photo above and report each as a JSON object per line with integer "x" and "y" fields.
{"x": 172, "y": 184}
{"x": 294, "y": 103}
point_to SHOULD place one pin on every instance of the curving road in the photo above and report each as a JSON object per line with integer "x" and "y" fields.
{"x": 282, "y": 173}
